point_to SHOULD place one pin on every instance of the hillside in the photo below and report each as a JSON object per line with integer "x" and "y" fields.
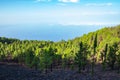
{"x": 107, "y": 35}
{"x": 95, "y": 52}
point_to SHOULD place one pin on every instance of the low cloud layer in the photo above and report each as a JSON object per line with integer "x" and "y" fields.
{"x": 99, "y": 4}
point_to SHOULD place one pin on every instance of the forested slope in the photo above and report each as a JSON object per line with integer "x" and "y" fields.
{"x": 101, "y": 46}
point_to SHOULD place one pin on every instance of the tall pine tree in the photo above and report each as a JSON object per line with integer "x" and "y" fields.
{"x": 94, "y": 52}
{"x": 104, "y": 57}
{"x": 80, "y": 58}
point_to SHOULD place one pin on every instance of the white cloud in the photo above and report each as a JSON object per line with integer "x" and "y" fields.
{"x": 42, "y": 0}
{"x": 73, "y": 1}
{"x": 99, "y": 13}
{"x": 99, "y": 4}
{"x": 61, "y": 4}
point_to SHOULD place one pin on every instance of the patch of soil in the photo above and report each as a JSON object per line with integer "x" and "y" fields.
{"x": 14, "y": 71}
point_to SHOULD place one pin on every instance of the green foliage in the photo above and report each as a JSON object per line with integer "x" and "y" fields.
{"x": 95, "y": 43}
{"x": 118, "y": 60}
{"x": 94, "y": 53}
{"x": 111, "y": 57}
{"x": 29, "y": 57}
{"x": 104, "y": 55}
{"x": 81, "y": 57}
{"x": 45, "y": 54}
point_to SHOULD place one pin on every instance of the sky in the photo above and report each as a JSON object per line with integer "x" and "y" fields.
{"x": 65, "y": 12}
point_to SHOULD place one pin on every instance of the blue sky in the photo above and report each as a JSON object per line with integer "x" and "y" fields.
{"x": 65, "y": 12}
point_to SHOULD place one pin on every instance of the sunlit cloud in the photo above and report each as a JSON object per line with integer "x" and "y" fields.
{"x": 99, "y": 13}
{"x": 99, "y": 4}
{"x": 72, "y": 1}
{"x": 42, "y": 0}
{"x": 61, "y": 4}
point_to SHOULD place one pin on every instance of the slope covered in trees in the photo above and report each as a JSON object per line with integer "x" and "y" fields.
{"x": 100, "y": 47}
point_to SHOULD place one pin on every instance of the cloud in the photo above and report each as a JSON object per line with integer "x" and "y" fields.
{"x": 87, "y": 23}
{"x": 99, "y": 4}
{"x": 42, "y": 0}
{"x": 72, "y": 1}
{"x": 100, "y": 13}
{"x": 61, "y": 4}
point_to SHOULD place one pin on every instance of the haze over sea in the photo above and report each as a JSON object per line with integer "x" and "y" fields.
{"x": 55, "y": 20}
{"x": 46, "y": 32}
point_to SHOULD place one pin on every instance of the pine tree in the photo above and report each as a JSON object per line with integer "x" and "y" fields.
{"x": 118, "y": 61}
{"x": 111, "y": 57}
{"x": 94, "y": 52}
{"x": 104, "y": 57}
{"x": 80, "y": 58}
{"x": 29, "y": 57}
{"x": 52, "y": 55}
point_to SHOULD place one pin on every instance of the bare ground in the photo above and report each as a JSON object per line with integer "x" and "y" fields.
{"x": 14, "y": 71}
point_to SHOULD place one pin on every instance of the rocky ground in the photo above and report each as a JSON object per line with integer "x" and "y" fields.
{"x": 14, "y": 71}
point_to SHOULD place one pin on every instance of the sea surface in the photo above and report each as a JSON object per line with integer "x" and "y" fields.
{"x": 46, "y": 32}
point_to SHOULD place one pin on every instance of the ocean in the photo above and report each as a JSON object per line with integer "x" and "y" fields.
{"x": 46, "y": 32}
